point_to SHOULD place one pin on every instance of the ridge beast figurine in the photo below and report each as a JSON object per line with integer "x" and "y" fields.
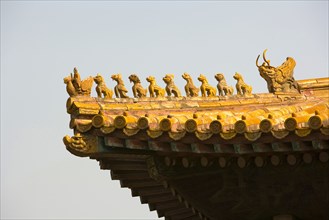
{"x": 241, "y": 87}
{"x": 120, "y": 89}
{"x": 171, "y": 88}
{"x": 223, "y": 88}
{"x": 101, "y": 88}
{"x": 154, "y": 89}
{"x": 190, "y": 89}
{"x": 279, "y": 79}
{"x": 75, "y": 86}
{"x": 206, "y": 89}
{"x": 138, "y": 90}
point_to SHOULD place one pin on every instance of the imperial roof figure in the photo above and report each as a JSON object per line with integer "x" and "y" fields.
{"x": 246, "y": 156}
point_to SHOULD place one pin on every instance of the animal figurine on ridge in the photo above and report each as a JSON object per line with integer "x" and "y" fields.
{"x": 138, "y": 90}
{"x": 76, "y": 80}
{"x": 281, "y": 78}
{"x": 154, "y": 89}
{"x": 171, "y": 88}
{"x": 120, "y": 89}
{"x": 101, "y": 88}
{"x": 70, "y": 89}
{"x": 223, "y": 88}
{"x": 190, "y": 89}
{"x": 75, "y": 86}
{"x": 206, "y": 89}
{"x": 241, "y": 87}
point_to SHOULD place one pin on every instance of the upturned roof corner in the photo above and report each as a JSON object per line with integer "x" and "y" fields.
{"x": 214, "y": 153}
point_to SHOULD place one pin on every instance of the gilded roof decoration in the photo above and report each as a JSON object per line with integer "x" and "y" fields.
{"x": 241, "y": 87}
{"x": 190, "y": 89}
{"x": 75, "y": 86}
{"x": 166, "y": 147}
{"x": 206, "y": 89}
{"x": 250, "y": 116}
{"x": 138, "y": 90}
{"x": 279, "y": 79}
{"x": 291, "y": 107}
{"x": 154, "y": 89}
{"x": 101, "y": 88}
{"x": 223, "y": 88}
{"x": 171, "y": 88}
{"x": 120, "y": 89}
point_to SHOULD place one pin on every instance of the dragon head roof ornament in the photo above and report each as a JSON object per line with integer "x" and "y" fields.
{"x": 279, "y": 79}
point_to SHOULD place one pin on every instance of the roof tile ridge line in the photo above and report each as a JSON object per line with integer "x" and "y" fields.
{"x": 101, "y": 106}
{"x": 178, "y": 99}
{"x": 316, "y": 104}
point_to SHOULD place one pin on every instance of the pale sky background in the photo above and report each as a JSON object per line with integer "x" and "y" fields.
{"x": 41, "y": 42}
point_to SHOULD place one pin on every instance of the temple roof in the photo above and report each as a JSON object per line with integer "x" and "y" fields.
{"x": 253, "y": 116}
{"x": 231, "y": 156}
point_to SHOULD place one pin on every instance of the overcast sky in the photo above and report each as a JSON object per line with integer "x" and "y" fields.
{"x": 41, "y": 43}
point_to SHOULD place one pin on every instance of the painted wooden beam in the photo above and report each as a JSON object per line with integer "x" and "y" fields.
{"x": 281, "y": 147}
{"x": 159, "y": 146}
{"x": 136, "y": 144}
{"x": 202, "y": 148}
{"x": 114, "y": 142}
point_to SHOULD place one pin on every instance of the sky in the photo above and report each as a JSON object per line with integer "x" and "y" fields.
{"x": 42, "y": 41}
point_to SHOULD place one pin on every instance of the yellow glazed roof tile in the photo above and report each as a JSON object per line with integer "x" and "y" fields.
{"x": 262, "y": 120}
{"x": 251, "y": 115}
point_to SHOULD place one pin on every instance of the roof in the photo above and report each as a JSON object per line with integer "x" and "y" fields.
{"x": 185, "y": 156}
{"x": 253, "y": 116}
